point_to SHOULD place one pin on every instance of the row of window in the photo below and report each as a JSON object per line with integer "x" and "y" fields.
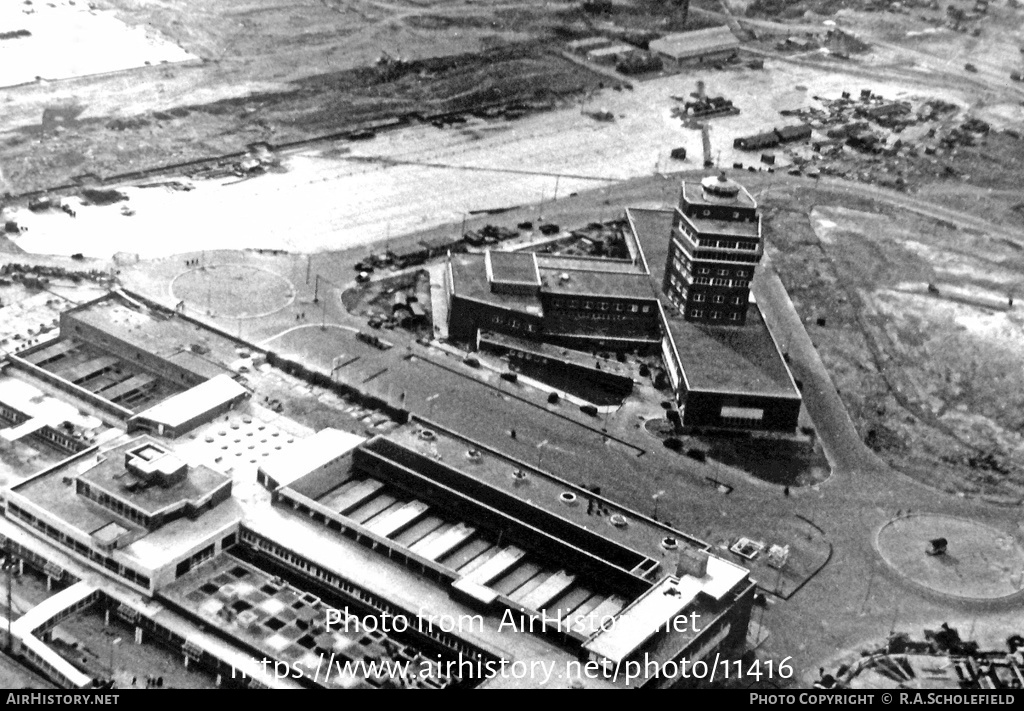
{"x": 741, "y": 273}
{"x": 514, "y": 323}
{"x": 735, "y": 214}
{"x": 718, "y": 299}
{"x": 63, "y": 442}
{"x": 683, "y": 266}
{"x": 600, "y": 317}
{"x": 747, "y": 245}
{"x": 726, "y": 244}
{"x": 194, "y": 560}
{"x": 714, "y": 315}
{"x": 601, "y": 306}
{"x": 68, "y": 542}
{"x": 719, "y": 281}
{"x": 705, "y": 254}
{"x": 116, "y": 505}
{"x": 52, "y": 671}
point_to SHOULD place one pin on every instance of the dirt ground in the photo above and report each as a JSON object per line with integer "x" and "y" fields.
{"x": 912, "y": 318}
{"x": 267, "y": 72}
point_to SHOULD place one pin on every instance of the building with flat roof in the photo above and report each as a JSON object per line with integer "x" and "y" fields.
{"x": 511, "y": 541}
{"x": 123, "y": 355}
{"x": 577, "y": 302}
{"x": 727, "y": 374}
{"x": 312, "y": 456}
{"x": 684, "y": 290}
{"x": 162, "y": 340}
{"x": 181, "y": 413}
{"x": 597, "y": 380}
{"x": 133, "y": 510}
{"x": 712, "y": 44}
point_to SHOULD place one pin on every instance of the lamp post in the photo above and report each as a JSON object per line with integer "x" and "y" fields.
{"x": 114, "y": 642}
{"x": 8, "y": 565}
{"x": 657, "y": 497}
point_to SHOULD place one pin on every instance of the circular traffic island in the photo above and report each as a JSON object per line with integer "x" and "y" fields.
{"x": 953, "y": 556}
{"x": 233, "y": 290}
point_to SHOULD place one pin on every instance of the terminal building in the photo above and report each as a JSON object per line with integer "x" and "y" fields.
{"x": 503, "y": 541}
{"x": 684, "y": 291}
{"x": 420, "y": 524}
{"x": 574, "y": 301}
{"x": 134, "y": 510}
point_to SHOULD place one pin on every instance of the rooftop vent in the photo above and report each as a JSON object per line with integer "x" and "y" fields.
{"x": 669, "y": 543}
{"x": 519, "y": 476}
{"x": 428, "y": 435}
{"x": 618, "y": 520}
{"x": 564, "y": 276}
{"x": 473, "y": 455}
{"x": 568, "y": 498}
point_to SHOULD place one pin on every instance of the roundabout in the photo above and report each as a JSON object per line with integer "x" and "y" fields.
{"x": 979, "y": 562}
{"x": 233, "y": 290}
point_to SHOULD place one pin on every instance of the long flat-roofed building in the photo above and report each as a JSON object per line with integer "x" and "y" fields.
{"x": 578, "y": 302}
{"x": 513, "y": 542}
{"x": 124, "y": 355}
{"x": 711, "y": 44}
{"x": 185, "y": 411}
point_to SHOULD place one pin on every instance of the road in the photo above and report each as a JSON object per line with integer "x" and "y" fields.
{"x": 855, "y": 598}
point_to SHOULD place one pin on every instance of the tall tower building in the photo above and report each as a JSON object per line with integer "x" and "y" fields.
{"x": 713, "y": 250}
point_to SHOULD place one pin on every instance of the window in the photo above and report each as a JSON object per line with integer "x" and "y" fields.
{"x": 734, "y": 316}
{"x": 723, "y": 272}
{"x": 703, "y": 270}
{"x": 742, "y": 283}
{"x": 647, "y": 309}
{"x": 697, "y": 313}
{"x": 588, "y": 305}
{"x": 736, "y": 300}
{"x": 706, "y": 213}
{"x": 718, "y": 299}
{"x": 633, "y": 308}
{"x": 719, "y": 282}
{"x": 604, "y": 305}
{"x": 716, "y": 315}
{"x": 699, "y": 297}
{"x": 736, "y": 215}
{"x": 741, "y": 272}
{"x": 574, "y": 304}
